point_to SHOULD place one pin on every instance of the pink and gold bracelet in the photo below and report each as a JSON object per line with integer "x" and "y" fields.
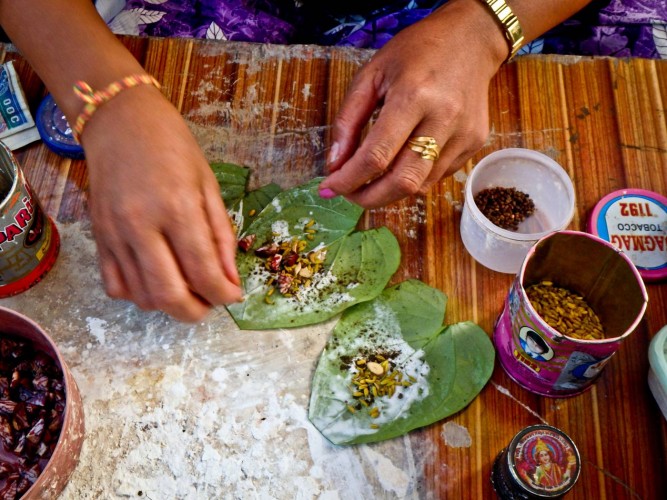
{"x": 94, "y": 99}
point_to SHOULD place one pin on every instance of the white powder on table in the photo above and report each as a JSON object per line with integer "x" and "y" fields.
{"x": 198, "y": 411}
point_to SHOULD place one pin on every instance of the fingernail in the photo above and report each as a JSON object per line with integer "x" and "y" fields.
{"x": 327, "y": 194}
{"x": 333, "y": 153}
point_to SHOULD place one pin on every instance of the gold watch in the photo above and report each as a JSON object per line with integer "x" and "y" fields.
{"x": 509, "y": 23}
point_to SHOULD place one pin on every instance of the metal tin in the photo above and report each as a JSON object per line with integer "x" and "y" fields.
{"x": 65, "y": 457}
{"x": 635, "y": 221}
{"x": 55, "y": 131}
{"x": 541, "y": 461}
{"x": 565, "y": 366}
{"x": 29, "y": 240}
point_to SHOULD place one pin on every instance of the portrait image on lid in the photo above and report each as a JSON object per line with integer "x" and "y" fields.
{"x": 546, "y": 462}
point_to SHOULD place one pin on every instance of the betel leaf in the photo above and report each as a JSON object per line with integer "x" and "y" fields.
{"x": 233, "y": 182}
{"x": 245, "y": 210}
{"x": 232, "y": 179}
{"x": 449, "y": 366}
{"x": 357, "y": 266}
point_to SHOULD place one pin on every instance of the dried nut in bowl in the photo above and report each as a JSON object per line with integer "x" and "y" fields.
{"x": 21, "y": 333}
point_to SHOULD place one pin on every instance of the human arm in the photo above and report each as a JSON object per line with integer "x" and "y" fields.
{"x": 431, "y": 79}
{"x": 162, "y": 233}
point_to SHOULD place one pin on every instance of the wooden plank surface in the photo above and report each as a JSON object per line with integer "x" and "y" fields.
{"x": 603, "y": 120}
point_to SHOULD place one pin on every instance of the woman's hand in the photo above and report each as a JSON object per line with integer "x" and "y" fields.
{"x": 430, "y": 80}
{"x": 162, "y": 232}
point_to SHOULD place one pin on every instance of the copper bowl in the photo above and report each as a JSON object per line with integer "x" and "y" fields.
{"x": 65, "y": 456}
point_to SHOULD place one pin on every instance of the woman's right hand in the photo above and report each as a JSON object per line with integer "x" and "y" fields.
{"x": 163, "y": 235}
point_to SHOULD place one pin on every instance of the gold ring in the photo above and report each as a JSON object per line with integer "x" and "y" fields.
{"x": 426, "y": 147}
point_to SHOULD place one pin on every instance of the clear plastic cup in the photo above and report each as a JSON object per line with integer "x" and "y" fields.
{"x": 533, "y": 173}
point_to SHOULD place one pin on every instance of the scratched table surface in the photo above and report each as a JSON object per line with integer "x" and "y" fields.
{"x": 208, "y": 411}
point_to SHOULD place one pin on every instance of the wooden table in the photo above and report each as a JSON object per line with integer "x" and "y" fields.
{"x": 603, "y": 120}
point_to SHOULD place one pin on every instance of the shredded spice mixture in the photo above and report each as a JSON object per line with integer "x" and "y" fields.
{"x": 505, "y": 207}
{"x": 290, "y": 266}
{"x": 376, "y": 376}
{"x": 32, "y": 403}
{"x": 565, "y": 311}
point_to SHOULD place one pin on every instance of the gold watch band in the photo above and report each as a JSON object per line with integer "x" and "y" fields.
{"x": 509, "y": 23}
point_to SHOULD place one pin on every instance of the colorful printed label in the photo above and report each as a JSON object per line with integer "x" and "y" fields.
{"x": 29, "y": 240}
{"x": 545, "y": 462}
{"x": 17, "y": 128}
{"x": 635, "y": 221}
{"x": 540, "y": 359}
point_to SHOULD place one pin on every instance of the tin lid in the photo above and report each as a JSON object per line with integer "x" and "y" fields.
{"x": 55, "y": 131}
{"x": 543, "y": 461}
{"x": 635, "y": 221}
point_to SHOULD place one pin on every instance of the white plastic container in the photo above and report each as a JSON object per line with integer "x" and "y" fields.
{"x": 537, "y": 175}
{"x": 657, "y": 373}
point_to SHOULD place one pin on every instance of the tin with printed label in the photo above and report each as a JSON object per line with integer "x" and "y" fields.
{"x": 29, "y": 240}
{"x": 553, "y": 362}
{"x": 541, "y": 461}
{"x": 635, "y": 221}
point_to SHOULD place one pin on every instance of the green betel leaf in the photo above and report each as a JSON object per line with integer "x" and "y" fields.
{"x": 232, "y": 179}
{"x": 356, "y": 264}
{"x": 246, "y": 210}
{"x": 441, "y": 369}
{"x": 292, "y": 209}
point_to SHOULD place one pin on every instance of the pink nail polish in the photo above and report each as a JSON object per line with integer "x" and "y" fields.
{"x": 327, "y": 194}
{"x": 333, "y": 153}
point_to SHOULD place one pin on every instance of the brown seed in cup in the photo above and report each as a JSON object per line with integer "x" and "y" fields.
{"x": 505, "y": 207}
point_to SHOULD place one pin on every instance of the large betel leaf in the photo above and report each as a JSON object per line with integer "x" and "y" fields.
{"x": 245, "y": 210}
{"x": 357, "y": 267}
{"x": 232, "y": 179}
{"x": 290, "y": 210}
{"x": 449, "y": 366}
{"x": 233, "y": 182}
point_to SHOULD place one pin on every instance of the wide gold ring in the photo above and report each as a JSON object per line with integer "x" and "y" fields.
{"x": 426, "y": 147}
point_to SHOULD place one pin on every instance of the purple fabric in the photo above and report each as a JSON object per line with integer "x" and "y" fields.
{"x": 621, "y": 28}
{"x": 230, "y": 19}
{"x": 634, "y": 12}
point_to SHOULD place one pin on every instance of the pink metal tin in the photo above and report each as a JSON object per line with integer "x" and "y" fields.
{"x": 635, "y": 221}
{"x": 55, "y": 475}
{"x": 538, "y": 357}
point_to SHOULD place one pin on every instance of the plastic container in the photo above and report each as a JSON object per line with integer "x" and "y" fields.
{"x": 533, "y": 173}
{"x": 657, "y": 373}
{"x": 55, "y": 131}
{"x": 55, "y": 474}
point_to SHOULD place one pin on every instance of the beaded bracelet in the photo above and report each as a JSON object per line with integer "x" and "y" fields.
{"x": 94, "y": 99}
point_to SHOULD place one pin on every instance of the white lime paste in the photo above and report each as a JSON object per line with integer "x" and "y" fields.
{"x": 280, "y": 229}
{"x": 236, "y": 216}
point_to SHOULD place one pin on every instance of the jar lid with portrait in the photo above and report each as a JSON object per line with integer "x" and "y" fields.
{"x": 541, "y": 461}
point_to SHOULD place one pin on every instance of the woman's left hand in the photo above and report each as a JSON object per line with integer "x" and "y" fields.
{"x": 431, "y": 80}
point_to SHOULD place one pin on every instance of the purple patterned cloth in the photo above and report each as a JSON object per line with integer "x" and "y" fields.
{"x": 622, "y": 28}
